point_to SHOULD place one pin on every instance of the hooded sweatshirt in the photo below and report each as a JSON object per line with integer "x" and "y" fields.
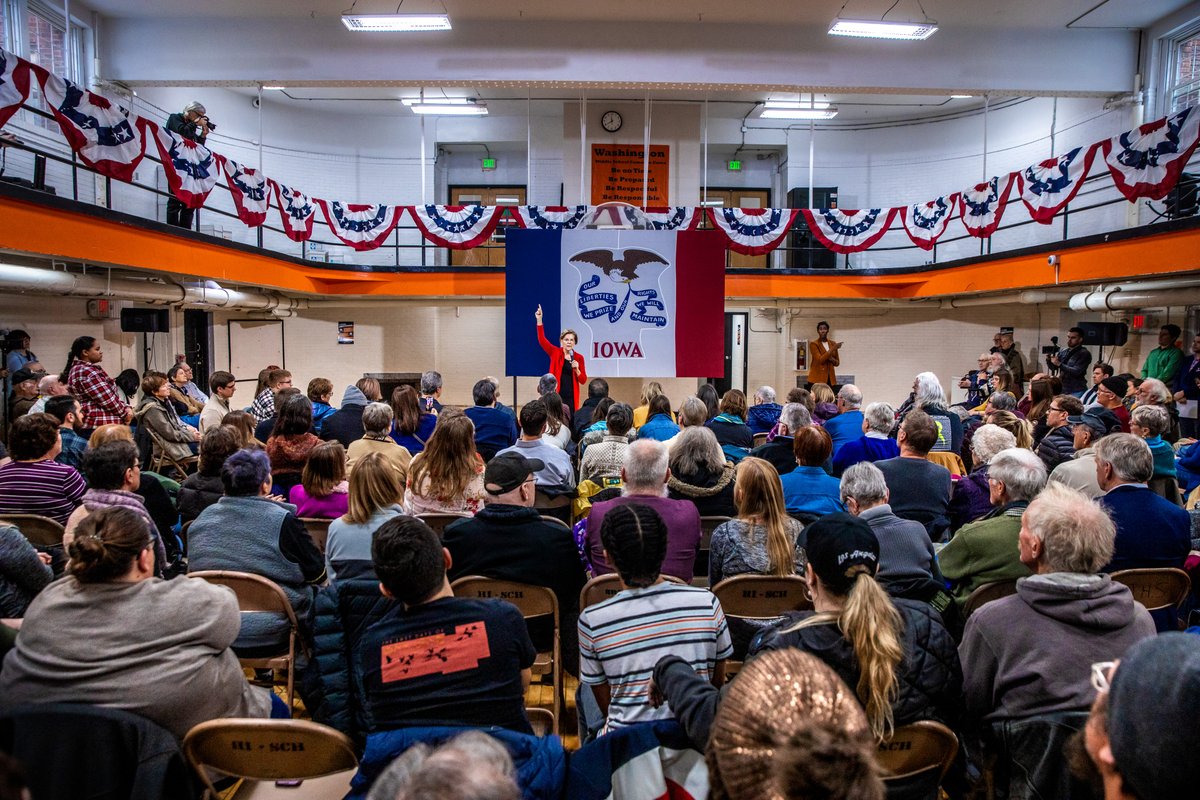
{"x": 711, "y": 492}
{"x": 1031, "y": 653}
{"x": 345, "y": 424}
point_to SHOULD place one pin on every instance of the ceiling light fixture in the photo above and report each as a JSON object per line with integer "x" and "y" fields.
{"x": 450, "y": 109}
{"x": 274, "y": 88}
{"x": 440, "y": 101}
{"x": 961, "y": 96}
{"x": 883, "y": 29}
{"x": 378, "y": 23}
{"x": 819, "y": 105}
{"x": 800, "y": 113}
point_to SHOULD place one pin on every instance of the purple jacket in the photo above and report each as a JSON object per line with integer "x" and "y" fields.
{"x": 683, "y": 534}
{"x": 971, "y": 499}
{"x": 331, "y": 506}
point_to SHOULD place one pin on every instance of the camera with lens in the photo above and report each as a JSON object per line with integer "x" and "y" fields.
{"x": 212, "y": 126}
{"x": 1051, "y": 349}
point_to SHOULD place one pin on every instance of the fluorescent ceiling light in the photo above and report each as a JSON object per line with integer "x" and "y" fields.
{"x": 961, "y": 96}
{"x": 473, "y": 109}
{"x": 883, "y": 29}
{"x": 439, "y": 101}
{"x": 373, "y": 23}
{"x": 799, "y": 113}
{"x": 819, "y": 105}
{"x": 273, "y": 88}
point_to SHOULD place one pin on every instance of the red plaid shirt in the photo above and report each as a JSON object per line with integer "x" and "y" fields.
{"x": 97, "y": 395}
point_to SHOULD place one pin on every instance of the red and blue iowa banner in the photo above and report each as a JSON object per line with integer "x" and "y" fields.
{"x": 645, "y": 304}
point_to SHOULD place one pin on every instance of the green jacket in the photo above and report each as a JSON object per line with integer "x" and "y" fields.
{"x": 1163, "y": 363}
{"x": 983, "y": 552}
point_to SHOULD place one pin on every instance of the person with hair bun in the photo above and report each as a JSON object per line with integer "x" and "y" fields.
{"x": 112, "y": 635}
{"x": 896, "y": 653}
{"x": 622, "y": 638}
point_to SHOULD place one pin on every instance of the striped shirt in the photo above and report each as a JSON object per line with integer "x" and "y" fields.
{"x": 46, "y": 488}
{"x": 621, "y": 639}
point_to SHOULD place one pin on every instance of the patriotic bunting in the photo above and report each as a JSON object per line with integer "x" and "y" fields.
{"x": 14, "y": 84}
{"x": 1147, "y": 161}
{"x": 752, "y": 231}
{"x": 1047, "y": 187}
{"x": 982, "y": 206}
{"x": 551, "y": 218}
{"x": 296, "y": 211}
{"x": 362, "y": 226}
{"x": 926, "y": 222}
{"x": 191, "y": 168}
{"x": 250, "y": 190}
{"x": 99, "y": 131}
{"x": 665, "y": 219}
{"x": 457, "y": 227}
{"x": 849, "y": 231}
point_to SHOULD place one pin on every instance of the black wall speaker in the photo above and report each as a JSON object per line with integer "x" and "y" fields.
{"x": 1104, "y": 334}
{"x": 145, "y": 320}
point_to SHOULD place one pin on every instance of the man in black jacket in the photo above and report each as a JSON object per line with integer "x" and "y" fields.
{"x": 1058, "y": 445}
{"x": 597, "y": 391}
{"x": 1072, "y": 363}
{"x": 345, "y": 425}
{"x": 509, "y": 540}
{"x": 192, "y": 124}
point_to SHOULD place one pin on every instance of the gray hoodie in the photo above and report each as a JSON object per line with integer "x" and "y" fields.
{"x": 1031, "y": 653}
{"x": 345, "y": 424}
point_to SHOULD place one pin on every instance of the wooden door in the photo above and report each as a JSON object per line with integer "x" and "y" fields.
{"x": 491, "y": 252}
{"x": 740, "y": 198}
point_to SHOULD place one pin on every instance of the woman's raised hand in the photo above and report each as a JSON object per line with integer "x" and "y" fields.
{"x": 538, "y": 314}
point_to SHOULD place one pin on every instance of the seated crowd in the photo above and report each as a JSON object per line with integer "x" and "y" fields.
{"x": 895, "y": 518}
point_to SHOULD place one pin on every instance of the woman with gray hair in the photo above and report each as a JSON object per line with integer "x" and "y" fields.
{"x": 971, "y": 498}
{"x": 1032, "y": 653}
{"x": 471, "y": 766}
{"x": 692, "y": 412}
{"x": 875, "y": 443}
{"x": 700, "y": 473}
{"x": 1153, "y": 392}
{"x": 377, "y": 426}
{"x": 928, "y": 396}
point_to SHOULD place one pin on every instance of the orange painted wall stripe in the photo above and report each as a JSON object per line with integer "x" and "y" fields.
{"x": 50, "y": 232}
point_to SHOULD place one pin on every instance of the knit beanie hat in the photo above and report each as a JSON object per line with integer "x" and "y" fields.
{"x": 1115, "y": 385}
{"x": 1154, "y": 716}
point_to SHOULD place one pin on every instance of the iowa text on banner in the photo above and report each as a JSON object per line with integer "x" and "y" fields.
{"x": 643, "y": 303}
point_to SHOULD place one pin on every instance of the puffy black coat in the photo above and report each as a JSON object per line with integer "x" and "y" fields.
{"x": 1056, "y": 447}
{"x": 929, "y": 676}
{"x": 344, "y": 611}
{"x": 197, "y": 493}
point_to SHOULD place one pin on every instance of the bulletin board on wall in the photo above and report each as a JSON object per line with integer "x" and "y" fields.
{"x": 253, "y": 345}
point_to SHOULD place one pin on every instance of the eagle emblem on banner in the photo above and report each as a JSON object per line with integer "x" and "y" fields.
{"x": 610, "y": 283}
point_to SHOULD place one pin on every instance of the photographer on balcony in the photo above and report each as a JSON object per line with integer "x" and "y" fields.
{"x": 192, "y": 124}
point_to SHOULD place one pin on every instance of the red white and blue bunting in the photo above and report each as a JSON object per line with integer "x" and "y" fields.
{"x": 551, "y": 218}
{"x": 1147, "y": 161}
{"x": 251, "y": 192}
{"x": 14, "y": 84}
{"x": 191, "y": 168}
{"x": 849, "y": 231}
{"x": 101, "y": 132}
{"x": 457, "y": 227}
{"x": 982, "y": 206}
{"x": 752, "y": 231}
{"x": 296, "y": 211}
{"x": 926, "y": 222}
{"x": 362, "y": 226}
{"x": 1048, "y": 186}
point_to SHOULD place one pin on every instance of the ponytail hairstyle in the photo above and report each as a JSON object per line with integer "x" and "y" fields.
{"x": 759, "y": 497}
{"x": 106, "y": 544}
{"x": 80, "y": 344}
{"x": 635, "y": 538}
{"x": 843, "y": 554}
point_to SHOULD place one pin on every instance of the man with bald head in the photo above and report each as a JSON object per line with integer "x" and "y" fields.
{"x": 49, "y": 386}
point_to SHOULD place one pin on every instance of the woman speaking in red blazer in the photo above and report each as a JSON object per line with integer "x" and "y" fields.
{"x": 565, "y": 364}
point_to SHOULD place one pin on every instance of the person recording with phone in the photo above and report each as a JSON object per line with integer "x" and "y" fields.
{"x": 565, "y": 364}
{"x": 192, "y": 124}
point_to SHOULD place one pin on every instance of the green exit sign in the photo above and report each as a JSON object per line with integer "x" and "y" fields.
{"x": 489, "y": 163}
{"x": 735, "y": 166}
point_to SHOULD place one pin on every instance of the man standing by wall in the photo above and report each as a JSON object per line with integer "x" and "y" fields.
{"x": 1072, "y": 363}
{"x": 1164, "y": 361}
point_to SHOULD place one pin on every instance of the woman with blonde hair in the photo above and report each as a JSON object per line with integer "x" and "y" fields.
{"x": 762, "y": 539}
{"x": 447, "y": 476}
{"x": 650, "y": 390}
{"x": 323, "y": 492}
{"x": 376, "y": 491}
{"x": 864, "y": 635}
{"x": 1021, "y": 430}
{"x": 243, "y": 424}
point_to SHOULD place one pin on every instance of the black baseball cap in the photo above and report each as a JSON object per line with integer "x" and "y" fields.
{"x": 839, "y": 547}
{"x": 23, "y": 374}
{"x": 507, "y": 471}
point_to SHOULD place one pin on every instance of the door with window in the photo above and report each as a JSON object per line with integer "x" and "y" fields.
{"x": 739, "y": 198}
{"x": 491, "y": 252}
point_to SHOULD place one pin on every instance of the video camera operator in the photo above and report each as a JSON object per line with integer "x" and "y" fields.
{"x": 195, "y": 125}
{"x": 1071, "y": 363}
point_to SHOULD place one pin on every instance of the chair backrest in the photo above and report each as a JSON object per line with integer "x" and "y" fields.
{"x": 920, "y": 747}
{"x": 602, "y": 587}
{"x": 541, "y": 720}
{"x": 707, "y": 526}
{"x": 40, "y": 531}
{"x": 1167, "y": 488}
{"x": 267, "y": 749}
{"x": 1164, "y": 587}
{"x": 318, "y": 529}
{"x": 533, "y": 601}
{"x": 254, "y": 592}
{"x": 439, "y": 521}
{"x": 987, "y": 593}
{"x": 556, "y": 521}
{"x": 760, "y": 438}
{"x": 762, "y": 596}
